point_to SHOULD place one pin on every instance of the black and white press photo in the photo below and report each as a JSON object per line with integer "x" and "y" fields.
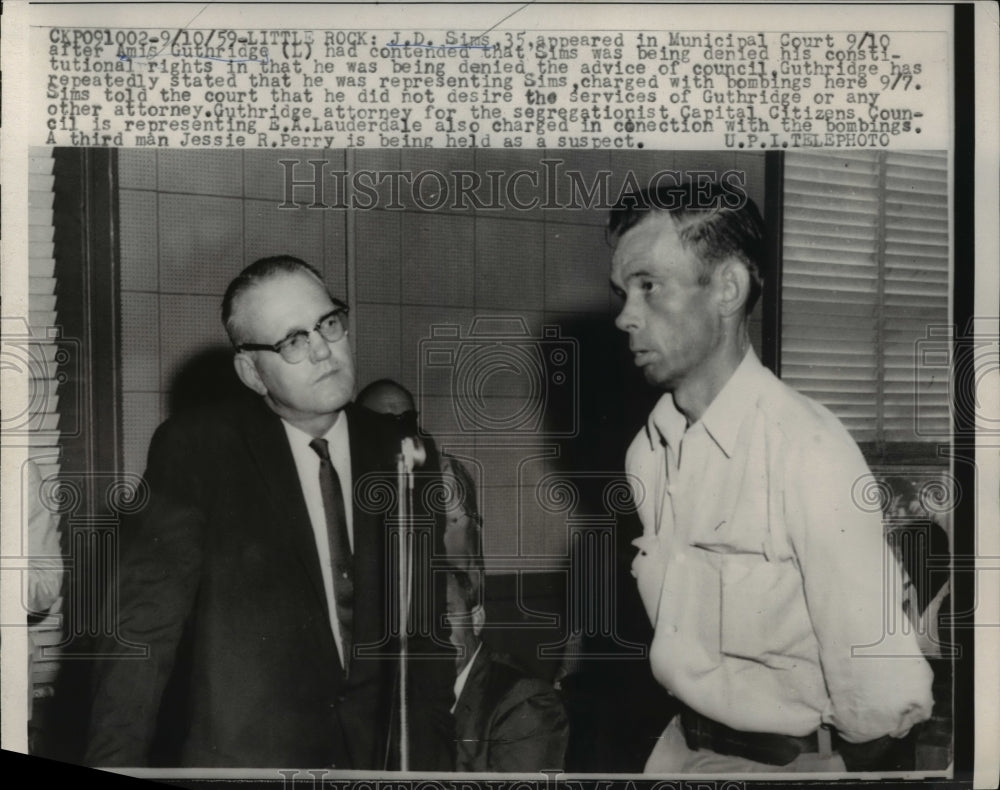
{"x": 488, "y": 394}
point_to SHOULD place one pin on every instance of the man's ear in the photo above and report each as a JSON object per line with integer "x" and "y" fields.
{"x": 733, "y": 281}
{"x": 247, "y": 371}
{"x": 478, "y": 619}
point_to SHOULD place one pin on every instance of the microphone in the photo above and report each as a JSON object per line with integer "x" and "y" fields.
{"x": 413, "y": 453}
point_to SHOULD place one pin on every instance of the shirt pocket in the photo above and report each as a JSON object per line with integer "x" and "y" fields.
{"x": 763, "y": 612}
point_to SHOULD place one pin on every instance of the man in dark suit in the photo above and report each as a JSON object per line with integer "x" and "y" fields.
{"x": 263, "y": 593}
{"x": 506, "y": 720}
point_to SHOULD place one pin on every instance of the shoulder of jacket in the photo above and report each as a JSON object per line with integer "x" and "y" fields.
{"x": 510, "y": 684}
{"x": 207, "y": 424}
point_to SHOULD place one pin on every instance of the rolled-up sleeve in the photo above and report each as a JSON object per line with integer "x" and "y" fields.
{"x": 876, "y": 676}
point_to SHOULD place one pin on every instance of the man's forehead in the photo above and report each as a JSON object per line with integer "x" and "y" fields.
{"x": 290, "y": 298}
{"x": 653, "y": 241}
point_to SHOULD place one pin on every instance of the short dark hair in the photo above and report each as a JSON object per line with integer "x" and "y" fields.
{"x": 714, "y": 219}
{"x": 256, "y": 272}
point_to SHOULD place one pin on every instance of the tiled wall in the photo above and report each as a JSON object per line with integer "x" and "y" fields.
{"x": 191, "y": 220}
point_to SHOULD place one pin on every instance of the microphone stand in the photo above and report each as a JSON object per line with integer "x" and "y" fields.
{"x": 412, "y": 454}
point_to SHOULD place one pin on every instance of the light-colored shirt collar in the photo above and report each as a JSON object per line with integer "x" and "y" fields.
{"x": 722, "y": 418}
{"x": 463, "y": 676}
{"x": 336, "y": 437}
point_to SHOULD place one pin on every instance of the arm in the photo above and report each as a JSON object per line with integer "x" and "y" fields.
{"x": 158, "y": 580}
{"x": 877, "y": 680}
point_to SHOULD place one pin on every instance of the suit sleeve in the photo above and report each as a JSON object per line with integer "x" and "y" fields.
{"x": 530, "y": 730}
{"x": 154, "y": 594}
{"x": 432, "y": 670}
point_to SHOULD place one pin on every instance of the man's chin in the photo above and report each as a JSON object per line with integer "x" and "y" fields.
{"x": 335, "y": 405}
{"x": 318, "y": 408}
{"x": 655, "y": 377}
{"x": 333, "y": 394}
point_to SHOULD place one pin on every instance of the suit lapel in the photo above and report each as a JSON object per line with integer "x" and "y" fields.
{"x": 369, "y": 529}
{"x": 472, "y": 691}
{"x": 268, "y": 448}
{"x": 471, "y": 733}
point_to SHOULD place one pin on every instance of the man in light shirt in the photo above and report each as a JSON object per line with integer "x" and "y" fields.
{"x": 259, "y": 576}
{"x": 763, "y": 578}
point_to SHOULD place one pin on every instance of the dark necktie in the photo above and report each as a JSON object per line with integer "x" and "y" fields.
{"x": 340, "y": 547}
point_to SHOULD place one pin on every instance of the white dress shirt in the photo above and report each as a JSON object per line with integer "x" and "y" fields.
{"x": 463, "y": 676}
{"x": 763, "y": 571}
{"x": 307, "y": 464}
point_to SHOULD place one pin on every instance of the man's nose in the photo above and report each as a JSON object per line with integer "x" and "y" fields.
{"x": 319, "y": 348}
{"x": 627, "y": 319}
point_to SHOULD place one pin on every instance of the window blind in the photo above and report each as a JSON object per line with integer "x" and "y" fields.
{"x": 44, "y": 383}
{"x": 865, "y": 274}
{"x": 47, "y": 357}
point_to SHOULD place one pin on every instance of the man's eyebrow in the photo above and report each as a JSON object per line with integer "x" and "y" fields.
{"x": 638, "y": 273}
{"x": 303, "y": 330}
{"x": 629, "y": 277}
{"x": 290, "y": 334}
{"x": 298, "y": 330}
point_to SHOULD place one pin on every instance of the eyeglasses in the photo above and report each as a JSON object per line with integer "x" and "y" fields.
{"x": 294, "y": 348}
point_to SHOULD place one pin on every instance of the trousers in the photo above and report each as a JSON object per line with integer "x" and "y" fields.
{"x": 671, "y": 755}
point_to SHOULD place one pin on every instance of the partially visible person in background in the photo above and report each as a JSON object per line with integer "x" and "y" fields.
{"x": 385, "y": 396}
{"x": 506, "y": 720}
{"x": 45, "y": 560}
{"x": 923, "y": 549}
{"x": 45, "y": 567}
